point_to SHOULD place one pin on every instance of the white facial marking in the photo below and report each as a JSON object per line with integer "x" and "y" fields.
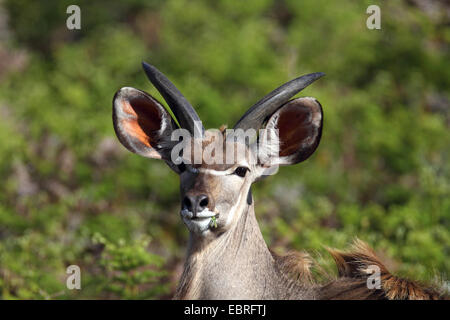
{"x": 216, "y": 172}
{"x": 222, "y": 173}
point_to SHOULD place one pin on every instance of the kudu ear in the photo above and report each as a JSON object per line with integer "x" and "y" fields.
{"x": 298, "y": 126}
{"x": 142, "y": 124}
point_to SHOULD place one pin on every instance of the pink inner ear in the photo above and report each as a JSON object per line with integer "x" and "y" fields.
{"x": 144, "y": 122}
{"x": 295, "y": 127}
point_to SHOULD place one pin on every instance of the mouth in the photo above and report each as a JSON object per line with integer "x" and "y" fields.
{"x": 200, "y": 219}
{"x": 201, "y": 222}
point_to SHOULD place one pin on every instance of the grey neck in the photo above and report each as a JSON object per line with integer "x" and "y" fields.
{"x": 235, "y": 265}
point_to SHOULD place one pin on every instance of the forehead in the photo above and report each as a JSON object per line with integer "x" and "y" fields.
{"x": 217, "y": 152}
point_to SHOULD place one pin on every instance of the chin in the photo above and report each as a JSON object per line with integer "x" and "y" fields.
{"x": 198, "y": 226}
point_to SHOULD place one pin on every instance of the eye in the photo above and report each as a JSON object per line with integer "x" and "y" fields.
{"x": 241, "y": 171}
{"x": 181, "y": 167}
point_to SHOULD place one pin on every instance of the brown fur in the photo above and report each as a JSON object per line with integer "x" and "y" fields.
{"x": 355, "y": 265}
{"x": 296, "y": 265}
{"x": 353, "y": 271}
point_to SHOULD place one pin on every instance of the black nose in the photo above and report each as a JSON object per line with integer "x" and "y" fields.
{"x": 195, "y": 203}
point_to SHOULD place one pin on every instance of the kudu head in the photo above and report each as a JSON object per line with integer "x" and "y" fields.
{"x": 217, "y": 168}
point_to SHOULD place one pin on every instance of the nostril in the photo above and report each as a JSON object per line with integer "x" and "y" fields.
{"x": 187, "y": 204}
{"x": 203, "y": 201}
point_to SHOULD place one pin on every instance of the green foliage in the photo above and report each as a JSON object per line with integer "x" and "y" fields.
{"x": 129, "y": 271}
{"x": 72, "y": 195}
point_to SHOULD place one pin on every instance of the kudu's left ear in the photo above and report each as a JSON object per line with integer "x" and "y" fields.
{"x": 298, "y": 124}
{"x": 142, "y": 124}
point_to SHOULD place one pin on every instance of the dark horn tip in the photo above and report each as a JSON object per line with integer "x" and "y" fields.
{"x": 148, "y": 68}
{"x": 317, "y": 75}
{"x": 145, "y": 65}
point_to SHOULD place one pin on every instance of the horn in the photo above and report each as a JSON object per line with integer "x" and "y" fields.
{"x": 181, "y": 108}
{"x": 256, "y": 115}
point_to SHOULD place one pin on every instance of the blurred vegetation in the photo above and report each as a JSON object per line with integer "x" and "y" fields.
{"x": 72, "y": 195}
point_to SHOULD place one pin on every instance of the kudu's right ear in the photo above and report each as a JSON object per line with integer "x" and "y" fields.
{"x": 299, "y": 129}
{"x": 142, "y": 124}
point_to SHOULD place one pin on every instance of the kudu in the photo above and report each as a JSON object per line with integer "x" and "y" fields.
{"x": 227, "y": 256}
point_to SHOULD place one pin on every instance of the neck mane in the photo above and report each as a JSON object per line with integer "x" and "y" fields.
{"x": 235, "y": 265}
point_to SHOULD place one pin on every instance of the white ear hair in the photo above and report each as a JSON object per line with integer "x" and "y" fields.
{"x": 291, "y": 134}
{"x": 269, "y": 144}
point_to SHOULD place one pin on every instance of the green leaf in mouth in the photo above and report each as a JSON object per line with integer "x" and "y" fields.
{"x": 213, "y": 222}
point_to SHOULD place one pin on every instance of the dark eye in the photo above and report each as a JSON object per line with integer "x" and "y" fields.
{"x": 241, "y": 171}
{"x": 181, "y": 167}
